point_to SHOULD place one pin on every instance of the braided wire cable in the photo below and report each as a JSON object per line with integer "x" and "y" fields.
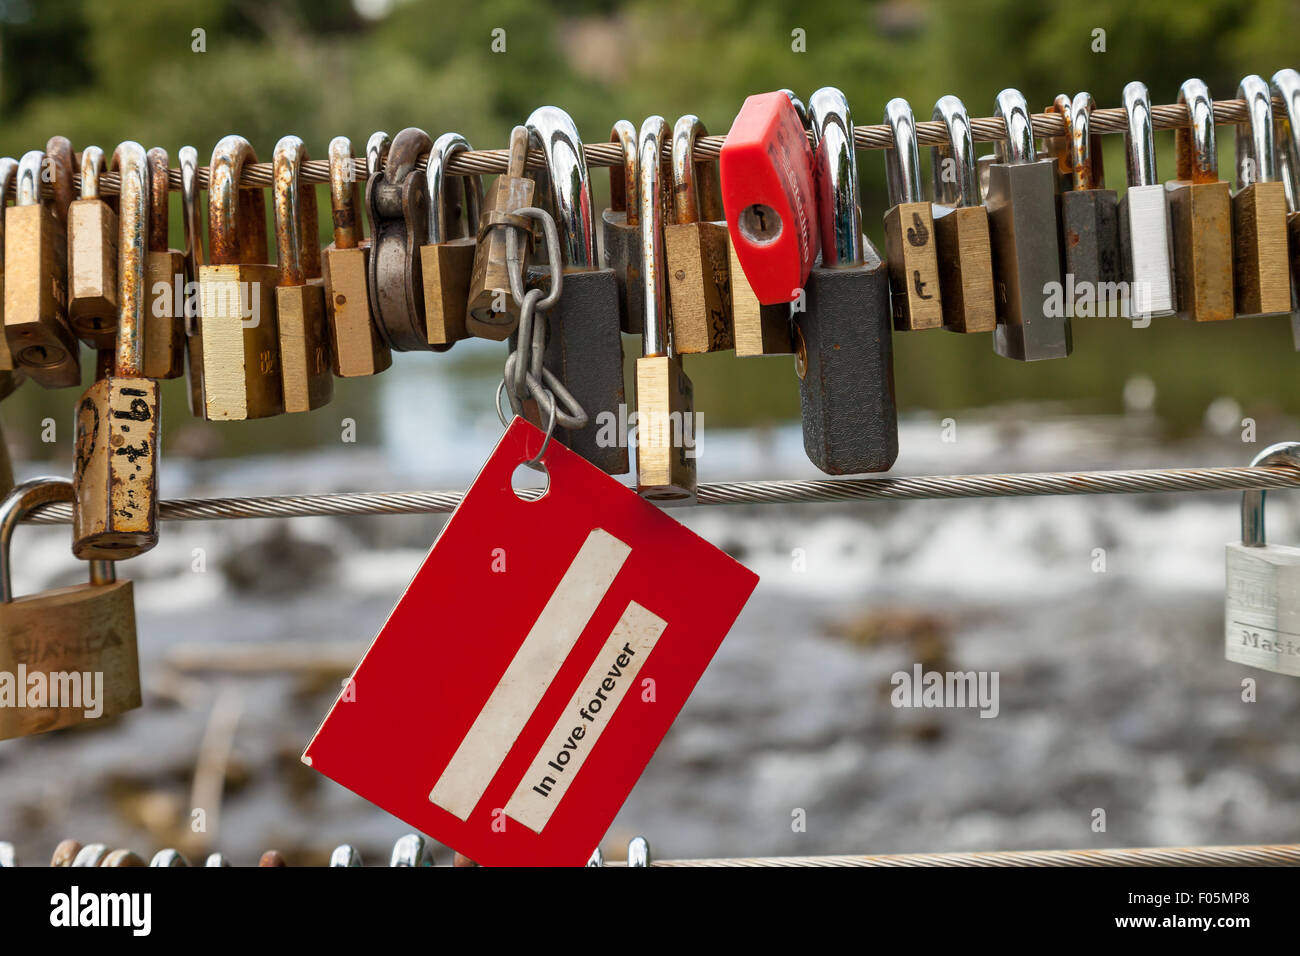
{"x": 1141, "y": 481}
{"x": 1264, "y": 855}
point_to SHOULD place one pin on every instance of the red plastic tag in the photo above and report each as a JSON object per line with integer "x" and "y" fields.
{"x": 534, "y": 663}
{"x": 766, "y": 167}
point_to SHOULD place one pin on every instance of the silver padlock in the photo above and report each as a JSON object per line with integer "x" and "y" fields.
{"x": 1145, "y": 236}
{"x": 1261, "y": 622}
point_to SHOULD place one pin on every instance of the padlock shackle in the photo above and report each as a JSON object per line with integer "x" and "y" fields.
{"x": 1256, "y": 155}
{"x": 799, "y": 108}
{"x": 1018, "y": 145}
{"x": 623, "y": 180}
{"x": 408, "y": 146}
{"x": 345, "y": 198}
{"x": 902, "y": 159}
{"x": 449, "y": 194}
{"x": 131, "y": 163}
{"x": 958, "y": 152}
{"x": 159, "y": 196}
{"x": 1196, "y": 153}
{"x": 188, "y": 159}
{"x": 697, "y": 195}
{"x": 58, "y": 151}
{"x": 1252, "y": 500}
{"x": 1139, "y": 137}
{"x": 21, "y": 501}
{"x": 1286, "y": 86}
{"x": 1086, "y": 163}
{"x": 27, "y": 192}
{"x": 657, "y": 335}
{"x": 835, "y": 177}
{"x": 229, "y": 204}
{"x": 297, "y": 224}
{"x": 377, "y": 147}
{"x": 569, "y": 189}
{"x": 93, "y": 165}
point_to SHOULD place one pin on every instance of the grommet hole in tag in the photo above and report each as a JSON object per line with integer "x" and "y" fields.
{"x": 530, "y": 481}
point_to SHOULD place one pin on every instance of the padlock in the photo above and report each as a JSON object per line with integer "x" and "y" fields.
{"x": 115, "y": 511}
{"x": 696, "y": 245}
{"x": 584, "y": 347}
{"x": 1286, "y": 86}
{"x": 916, "y": 298}
{"x": 377, "y": 147}
{"x": 843, "y": 341}
{"x": 36, "y": 271}
{"x": 355, "y": 347}
{"x": 397, "y": 200}
{"x": 1089, "y": 215}
{"x": 447, "y": 257}
{"x": 491, "y": 311}
{"x": 1021, "y": 199}
{"x": 1200, "y": 212}
{"x": 1259, "y": 227}
{"x": 767, "y": 189}
{"x": 188, "y": 159}
{"x": 164, "y": 339}
{"x": 92, "y": 258}
{"x": 1262, "y": 603}
{"x": 305, "y": 370}
{"x": 237, "y": 322}
{"x": 621, "y": 230}
{"x": 665, "y": 398}
{"x": 1144, "y": 231}
{"x": 10, "y": 376}
{"x": 961, "y": 226}
{"x": 70, "y": 635}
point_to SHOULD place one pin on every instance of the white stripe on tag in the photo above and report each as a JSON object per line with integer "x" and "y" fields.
{"x": 498, "y": 725}
{"x": 611, "y": 677}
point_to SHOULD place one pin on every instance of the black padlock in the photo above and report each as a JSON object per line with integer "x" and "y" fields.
{"x": 843, "y": 346}
{"x": 584, "y": 344}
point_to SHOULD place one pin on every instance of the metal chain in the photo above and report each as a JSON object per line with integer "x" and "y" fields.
{"x": 744, "y": 492}
{"x": 1285, "y": 854}
{"x": 928, "y": 133}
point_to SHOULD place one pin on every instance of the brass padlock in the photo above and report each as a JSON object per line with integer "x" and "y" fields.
{"x": 621, "y": 229}
{"x": 1260, "y": 267}
{"x": 915, "y": 294}
{"x": 492, "y": 312}
{"x": 961, "y": 226}
{"x": 10, "y": 377}
{"x": 188, "y": 158}
{"x": 447, "y": 257}
{"x": 36, "y": 269}
{"x": 1200, "y": 210}
{"x": 241, "y": 348}
{"x": 665, "y": 399}
{"x": 164, "y": 339}
{"x": 80, "y": 640}
{"x": 115, "y": 512}
{"x": 300, "y": 295}
{"x": 697, "y": 250}
{"x": 355, "y": 345}
{"x": 92, "y": 258}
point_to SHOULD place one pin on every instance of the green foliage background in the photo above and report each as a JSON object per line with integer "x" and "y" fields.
{"x": 108, "y": 70}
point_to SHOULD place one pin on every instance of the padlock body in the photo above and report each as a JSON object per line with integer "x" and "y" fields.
{"x": 1262, "y": 608}
{"x": 584, "y": 350}
{"x": 916, "y": 296}
{"x": 1021, "y": 201}
{"x": 1146, "y": 242}
{"x": 447, "y": 267}
{"x": 355, "y": 346}
{"x": 164, "y": 327}
{"x": 399, "y": 214}
{"x": 491, "y": 312}
{"x": 1263, "y": 275}
{"x": 36, "y": 297}
{"x": 1090, "y": 247}
{"x": 665, "y": 429}
{"x": 241, "y": 357}
{"x": 1201, "y": 217}
{"x": 845, "y": 362}
{"x": 621, "y": 249}
{"x": 961, "y": 236}
{"x": 92, "y": 272}
{"x": 115, "y": 515}
{"x": 758, "y": 329}
{"x": 305, "y": 373}
{"x": 87, "y": 630}
{"x": 699, "y": 286}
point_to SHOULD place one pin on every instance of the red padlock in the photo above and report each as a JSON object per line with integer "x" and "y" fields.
{"x": 767, "y": 191}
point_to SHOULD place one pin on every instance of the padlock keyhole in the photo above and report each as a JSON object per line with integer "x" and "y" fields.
{"x": 760, "y": 224}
